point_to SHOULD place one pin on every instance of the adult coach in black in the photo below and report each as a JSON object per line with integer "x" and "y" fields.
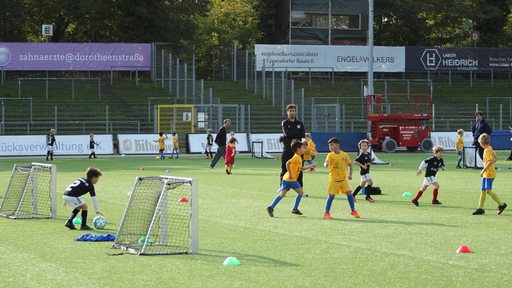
{"x": 220, "y": 140}
{"x": 480, "y": 127}
{"x": 293, "y": 129}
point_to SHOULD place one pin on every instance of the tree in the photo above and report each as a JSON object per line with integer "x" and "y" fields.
{"x": 490, "y": 19}
{"x": 227, "y": 22}
{"x": 12, "y": 20}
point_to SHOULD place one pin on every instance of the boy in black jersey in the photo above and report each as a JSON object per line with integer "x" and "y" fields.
{"x": 433, "y": 164}
{"x": 364, "y": 160}
{"x": 72, "y": 197}
{"x": 209, "y": 144}
{"x": 51, "y": 143}
{"x": 92, "y": 146}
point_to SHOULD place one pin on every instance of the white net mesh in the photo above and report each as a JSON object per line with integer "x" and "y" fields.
{"x": 30, "y": 192}
{"x": 157, "y": 219}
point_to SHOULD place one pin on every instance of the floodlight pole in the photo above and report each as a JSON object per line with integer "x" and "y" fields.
{"x": 370, "y": 57}
{"x": 370, "y": 47}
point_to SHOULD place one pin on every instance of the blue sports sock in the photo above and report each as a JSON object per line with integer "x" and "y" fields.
{"x": 458, "y": 161}
{"x": 350, "y": 199}
{"x": 297, "y": 201}
{"x": 276, "y": 200}
{"x": 328, "y": 203}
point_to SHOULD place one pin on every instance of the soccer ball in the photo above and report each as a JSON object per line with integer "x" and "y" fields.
{"x": 99, "y": 222}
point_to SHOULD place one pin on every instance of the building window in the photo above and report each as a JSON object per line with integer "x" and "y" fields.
{"x": 302, "y": 19}
{"x": 346, "y": 22}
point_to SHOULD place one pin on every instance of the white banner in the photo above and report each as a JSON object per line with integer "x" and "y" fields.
{"x": 197, "y": 143}
{"x": 449, "y": 139}
{"x": 35, "y": 145}
{"x": 328, "y": 58}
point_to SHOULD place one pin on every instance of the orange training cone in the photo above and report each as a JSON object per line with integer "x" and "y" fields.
{"x": 464, "y": 249}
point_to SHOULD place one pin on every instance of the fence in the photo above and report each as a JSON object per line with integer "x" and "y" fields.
{"x": 321, "y": 114}
{"x": 327, "y": 101}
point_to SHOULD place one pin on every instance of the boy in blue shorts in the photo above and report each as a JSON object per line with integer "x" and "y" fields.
{"x": 459, "y": 147}
{"x": 488, "y": 174}
{"x": 293, "y": 169}
{"x": 337, "y": 162}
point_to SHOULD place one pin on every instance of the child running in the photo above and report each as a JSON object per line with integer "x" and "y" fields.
{"x": 229, "y": 160}
{"x": 433, "y": 164}
{"x": 337, "y": 161}
{"x": 459, "y": 147}
{"x": 364, "y": 160}
{"x": 293, "y": 168}
{"x": 488, "y": 174}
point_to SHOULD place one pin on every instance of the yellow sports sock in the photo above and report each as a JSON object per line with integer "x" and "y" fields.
{"x": 495, "y": 197}
{"x": 481, "y": 202}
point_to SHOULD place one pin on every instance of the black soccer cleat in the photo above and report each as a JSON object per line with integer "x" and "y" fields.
{"x": 501, "y": 208}
{"x": 70, "y": 225}
{"x": 270, "y": 211}
{"x": 415, "y": 202}
{"x": 436, "y": 202}
{"x": 479, "y": 211}
{"x": 85, "y": 227}
{"x": 296, "y": 212}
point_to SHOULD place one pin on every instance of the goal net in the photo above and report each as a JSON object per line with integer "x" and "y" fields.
{"x": 31, "y": 192}
{"x": 258, "y": 151}
{"x": 161, "y": 217}
{"x": 470, "y": 157}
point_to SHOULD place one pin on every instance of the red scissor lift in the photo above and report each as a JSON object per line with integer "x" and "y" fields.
{"x": 399, "y": 120}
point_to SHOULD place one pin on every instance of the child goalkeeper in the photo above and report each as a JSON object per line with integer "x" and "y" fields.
{"x": 72, "y": 197}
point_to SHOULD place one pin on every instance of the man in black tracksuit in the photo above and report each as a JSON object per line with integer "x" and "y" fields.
{"x": 220, "y": 140}
{"x": 293, "y": 129}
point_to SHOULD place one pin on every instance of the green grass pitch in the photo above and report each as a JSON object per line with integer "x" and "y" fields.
{"x": 393, "y": 244}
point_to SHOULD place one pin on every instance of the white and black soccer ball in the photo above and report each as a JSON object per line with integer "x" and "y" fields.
{"x": 99, "y": 222}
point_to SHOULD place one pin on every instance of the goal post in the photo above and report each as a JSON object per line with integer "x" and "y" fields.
{"x": 257, "y": 150}
{"x": 470, "y": 157}
{"x": 31, "y": 192}
{"x": 179, "y": 118}
{"x": 161, "y": 217}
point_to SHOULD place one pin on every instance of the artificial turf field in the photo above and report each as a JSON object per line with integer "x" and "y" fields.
{"x": 393, "y": 244}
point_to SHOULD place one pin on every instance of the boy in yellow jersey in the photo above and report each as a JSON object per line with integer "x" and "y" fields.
{"x": 293, "y": 168}
{"x": 161, "y": 144}
{"x": 311, "y": 149}
{"x": 488, "y": 174}
{"x": 459, "y": 147}
{"x": 337, "y": 162}
{"x": 175, "y": 145}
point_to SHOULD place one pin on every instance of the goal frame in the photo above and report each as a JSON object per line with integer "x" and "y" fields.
{"x": 470, "y": 157}
{"x": 259, "y": 153}
{"x": 35, "y": 194}
{"x": 193, "y": 220}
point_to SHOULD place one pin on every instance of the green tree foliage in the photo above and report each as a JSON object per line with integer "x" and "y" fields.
{"x": 227, "y": 22}
{"x": 490, "y": 18}
{"x": 12, "y": 20}
{"x": 441, "y": 22}
{"x": 101, "y": 21}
